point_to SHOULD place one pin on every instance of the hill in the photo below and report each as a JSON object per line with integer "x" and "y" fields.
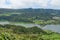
{"x": 30, "y": 15}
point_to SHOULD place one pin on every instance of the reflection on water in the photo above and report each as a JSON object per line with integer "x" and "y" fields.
{"x": 20, "y": 24}
{"x": 28, "y": 25}
{"x": 6, "y": 22}
{"x": 55, "y": 28}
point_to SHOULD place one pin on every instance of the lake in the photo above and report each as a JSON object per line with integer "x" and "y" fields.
{"x": 55, "y": 28}
{"x": 3, "y": 23}
{"x": 20, "y": 24}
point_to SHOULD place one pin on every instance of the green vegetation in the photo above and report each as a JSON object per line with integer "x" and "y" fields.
{"x": 36, "y": 16}
{"x": 43, "y": 22}
{"x": 12, "y": 32}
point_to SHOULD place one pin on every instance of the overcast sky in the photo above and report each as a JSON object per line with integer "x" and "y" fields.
{"x": 54, "y": 4}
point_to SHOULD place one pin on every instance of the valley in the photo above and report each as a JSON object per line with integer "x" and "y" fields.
{"x": 29, "y": 24}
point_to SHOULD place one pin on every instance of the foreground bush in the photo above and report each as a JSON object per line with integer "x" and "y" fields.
{"x": 34, "y": 33}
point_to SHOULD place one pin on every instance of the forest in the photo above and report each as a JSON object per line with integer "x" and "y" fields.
{"x": 13, "y": 32}
{"x": 36, "y": 16}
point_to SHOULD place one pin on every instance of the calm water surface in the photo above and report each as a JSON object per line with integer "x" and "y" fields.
{"x": 55, "y": 28}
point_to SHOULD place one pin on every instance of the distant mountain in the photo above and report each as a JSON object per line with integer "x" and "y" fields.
{"x": 2, "y": 10}
{"x": 29, "y": 14}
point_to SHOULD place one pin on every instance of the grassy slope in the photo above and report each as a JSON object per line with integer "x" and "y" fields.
{"x": 7, "y": 34}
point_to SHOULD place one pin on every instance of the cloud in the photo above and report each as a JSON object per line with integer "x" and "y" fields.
{"x": 30, "y": 4}
{"x": 55, "y": 4}
{"x": 42, "y": 3}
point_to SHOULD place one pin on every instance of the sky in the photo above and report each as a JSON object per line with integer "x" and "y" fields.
{"x": 16, "y": 4}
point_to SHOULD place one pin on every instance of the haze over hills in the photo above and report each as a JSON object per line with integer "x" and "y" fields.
{"x": 29, "y": 10}
{"x": 28, "y": 14}
{"x": 29, "y": 19}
